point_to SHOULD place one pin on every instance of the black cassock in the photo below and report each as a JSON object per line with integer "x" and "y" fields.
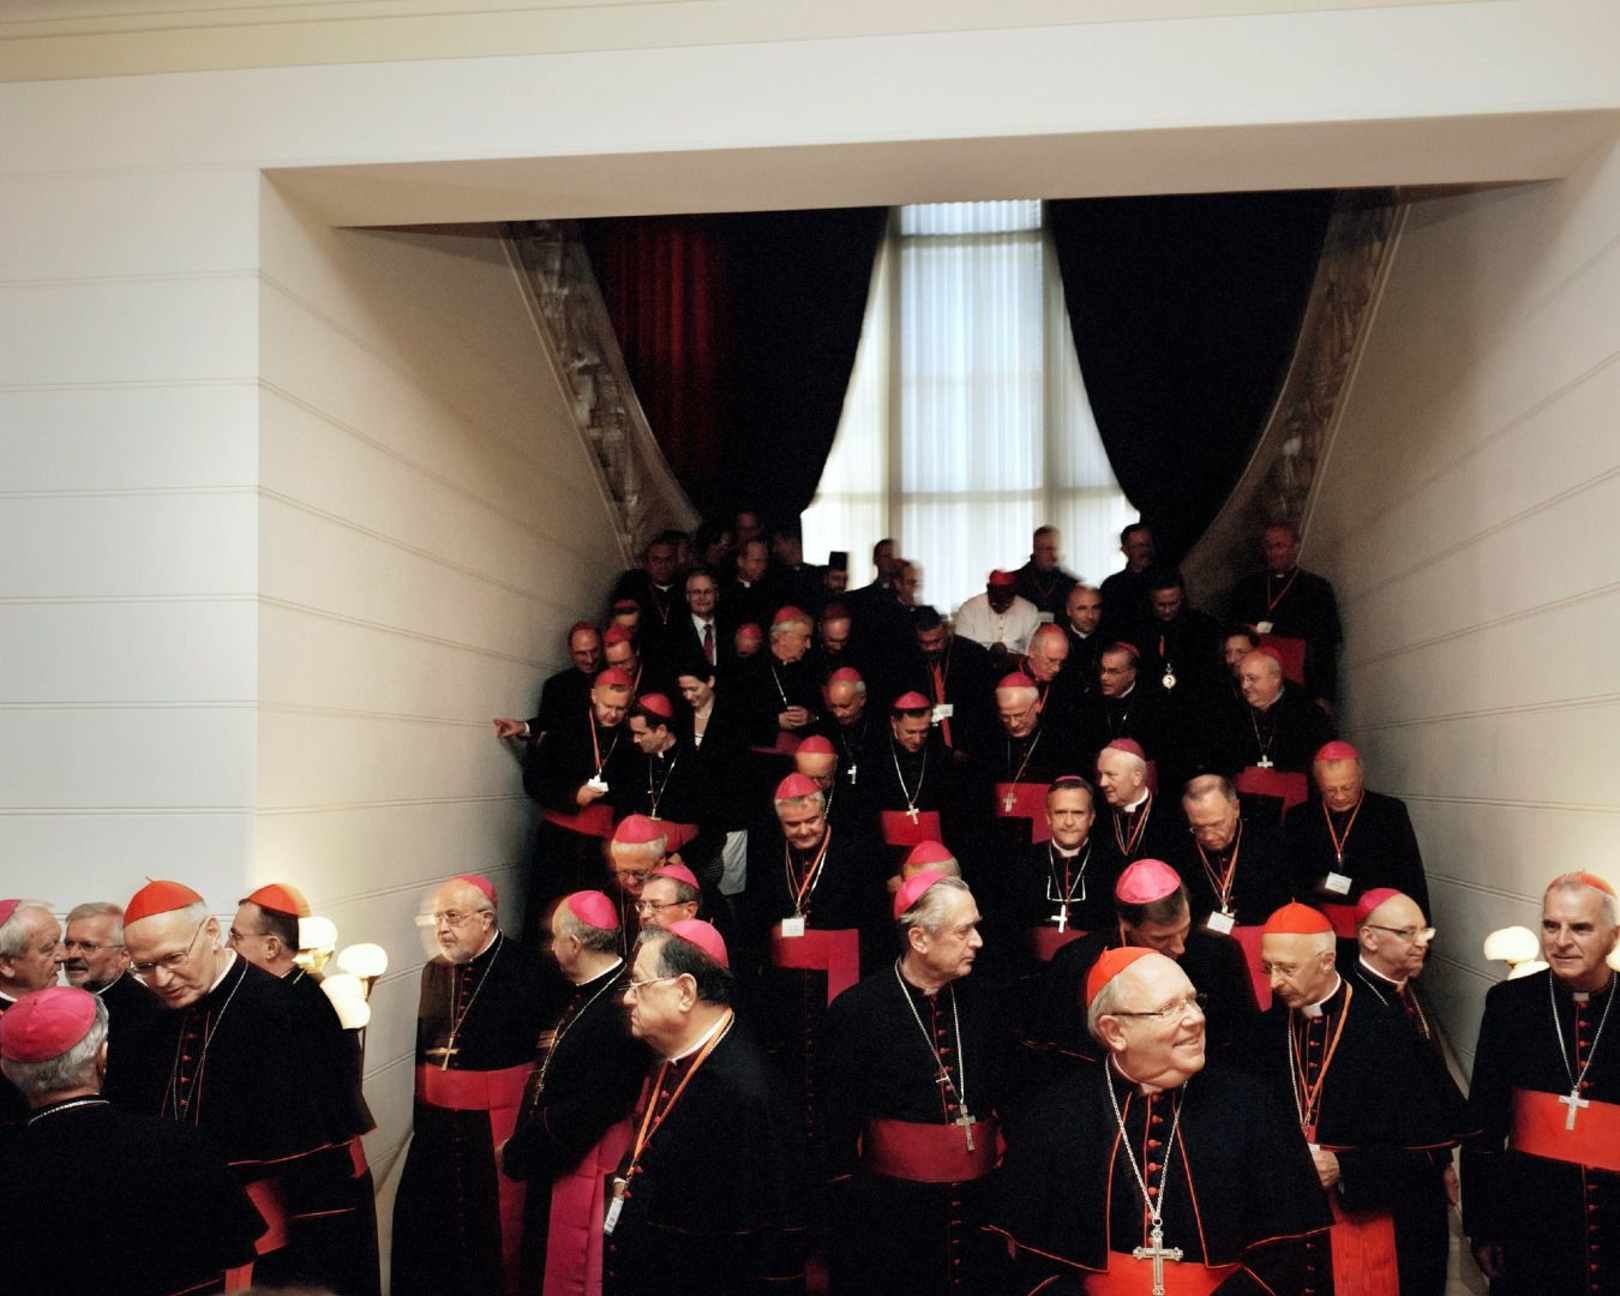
{"x": 234, "y": 1066}
{"x": 1556, "y": 1210}
{"x": 1299, "y": 605}
{"x": 1142, "y": 715}
{"x": 457, "y": 1220}
{"x": 563, "y": 698}
{"x": 131, "y": 1008}
{"x": 179, "y": 1218}
{"x": 1022, "y": 768}
{"x": 13, "y": 1106}
{"x": 890, "y": 1235}
{"x": 1288, "y": 733}
{"x": 1050, "y": 899}
{"x": 1239, "y": 1190}
{"x": 715, "y": 1206}
{"x": 962, "y": 679}
{"x": 572, "y": 1134}
{"x": 1378, "y": 1110}
{"x": 1380, "y": 850}
{"x": 1261, "y": 883}
{"x": 674, "y": 786}
{"x": 893, "y": 780}
{"x": 1156, "y": 829}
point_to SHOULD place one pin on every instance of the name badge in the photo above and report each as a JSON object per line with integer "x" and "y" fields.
{"x": 944, "y": 711}
{"x": 615, "y": 1208}
{"x": 793, "y": 926}
{"x": 1337, "y": 883}
{"x": 596, "y": 783}
{"x": 1220, "y": 923}
{"x": 1264, "y": 627}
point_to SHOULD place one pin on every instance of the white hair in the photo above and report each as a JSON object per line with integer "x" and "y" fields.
{"x": 14, "y": 936}
{"x": 73, "y": 1069}
{"x": 818, "y": 797}
{"x": 780, "y": 628}
{"x": 1580, "y": 882}
{"x": 929, "y": 910}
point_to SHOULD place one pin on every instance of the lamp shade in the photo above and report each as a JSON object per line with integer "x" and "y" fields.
{"x": 363, "y": 960}
{"x": 1526, "y": 969}
{"x": 348, "y": 996}
{"x": 317, "y": 933}
{"x": 1512, "y": 945}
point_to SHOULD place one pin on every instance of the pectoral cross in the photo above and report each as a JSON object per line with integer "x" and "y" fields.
{"x": 965, "y": 1120}
{"x": 853, "y": 770}
{"x": 1265, "y": 762}
{"x": 1158, "y": 1253}
{"x": 1007, "y": 803}
{"x": 911, "y": 813}
{"x": 1062, "y": 918}
{"x": 444, "y": 1052}
{"x": 1572, "y": 1102}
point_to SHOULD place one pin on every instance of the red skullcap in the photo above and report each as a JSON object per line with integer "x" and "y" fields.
{"x": 793, "y": 787}
{"x": 1001, "y": 579}
{"x": 617, "y": 634}
{"x": 637, "y": 830}
{"x": 1370, "y": 900}
{"x": 1127, "y": 645}
{"x": 845, "y": 675}
{"x": 1145, "y": 881}
{"x": 7, "y": 908}
{"x": 929, "y": 852}
{"x": 1129, "y": 746}
{"x": 159, "y": 897}
{"x": 283, "y": 897}
{"x": 1017, "y": 680}
{"x": 1110, "y": 965}
{"x": 911, "y": 890}
{"x": 46, "y": 1024}
{"x": 1335, "y": 751}
{"x": 912, "y": 701}
{"x": 789, "y": 613}
{"x": 1266, "y": 650}
{"x": 749, "y": 630}
{"x": 615, "y": 678}
{"x": 1295, "y": 919}
{"x": 658, "y": 704}
{"x": 1596, "y": 883}
{"x": 594, "y": 910}
{"x": 676, "y": 873}
{"x": 815, "y": 745}
{"x": 705, "y": 937}
{"x": 478, "y": 882}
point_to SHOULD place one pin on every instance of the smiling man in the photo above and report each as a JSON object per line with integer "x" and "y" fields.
{"x": 1088, "y": 1201}
{"x": 1542, "y": 1206}
{"x": 30, "y": 948}
{"x": 912, "y": 1064}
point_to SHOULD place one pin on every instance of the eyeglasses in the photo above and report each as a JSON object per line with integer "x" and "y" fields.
{"x": 653, "y": 906}
{"x": 1414, "y": 935}
{"x": 169, "y": 962}
{"x": 634, "y": 987}
{"x": 1171, "y": 1012}
{"x": 455, "y": 917}
{"x": 89, "y": 947}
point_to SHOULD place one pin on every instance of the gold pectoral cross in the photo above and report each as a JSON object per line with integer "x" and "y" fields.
{"x": 1007, "y": 803}
{"x": 444, "y": 1052}
{"x": 911, "y": 813}
{"x": 965, "y": 1120}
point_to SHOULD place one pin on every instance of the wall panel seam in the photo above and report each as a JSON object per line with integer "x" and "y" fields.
{"x": 381, "y": 447}
{"x": 403, "y": 888}
{"x": 1465, "y": 967}
{"x": 1527, "y": 708}
{"x": 70, "y": 810}
{"x": 1481, "y": 888}
{"x": 1507, "y": 803}
{"x": 389, "y": 803}
{"x": 133, "y": 492}
{"x": 130, "y": 384}
{"x": 74, "y": 600}
{"x": 364, "y": 713}
{"x": 293, "y": 605}
{"x": 156, "y": 277}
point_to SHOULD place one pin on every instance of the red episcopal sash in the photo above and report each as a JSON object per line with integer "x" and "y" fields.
{"x": 1363, "y": 1245}
{"x": 1287, "y": 786}
{"x": 787, "y": 742}
{"x": 1128, "y": 1276}
{"x": 837, "y": 953}
{"x": 1249, "y": 939}
{"x": 1045, "y": 942}
{"x": 594, "y": 820}
{"x": 1538, "y": 1129}
{"x": 267, "y": 1196}
{"x": 898, "y": 830}
{"x": 500, "y": 1094}
{"x": 578, "y": 1206}
{"x": 676, "y": 835}
{"x": 927, "y": 1153}
{"x": 1029, "y": 802}
{"x": 1291, "y": 651}
{"x": 1343, "y": 918}
{"x": 357, "y": 1156}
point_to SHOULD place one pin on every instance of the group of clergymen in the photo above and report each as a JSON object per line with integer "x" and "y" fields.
{"x": 873, "y": 960}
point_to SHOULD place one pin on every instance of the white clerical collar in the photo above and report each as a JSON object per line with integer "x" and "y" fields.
{"x": 1068, "y": 854}
{"x": 1127, "y": 692}
{"x": 606, "y": 972}
{"x": 703, "y": 1039}
{"x": 6, "y": 997}
{"x": 1081, "y": 634}
{"x": 230, "y": 962}
{"x": 1315, "y": 1009}
{"x": 1371, "y": 971}
{"x": 1138, "y": 803}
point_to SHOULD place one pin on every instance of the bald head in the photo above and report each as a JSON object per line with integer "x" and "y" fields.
{"x": 1260, "y": 679}
{"x": 463, "y": 920}
{"x": 1394, "y": 938}
{"x": 1048, "y": 650}
{"x": 1018, "y": 710}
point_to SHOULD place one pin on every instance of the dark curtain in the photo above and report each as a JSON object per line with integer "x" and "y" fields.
{"x": 740, "y": 332}
{"x": 1186, "y": 311}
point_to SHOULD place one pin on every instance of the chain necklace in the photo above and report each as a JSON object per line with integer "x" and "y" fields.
{"x": 1574, "y": 1101}
{"x": 1264, "y": 746}
{"x": 608, "y": 979}
{"x": 202, "y": 1057}
{"x": 67, "y": 1106}
{"x": 448, "y": 1049}
{"x": 1157, "y": 1252}
{"x": 959, "y": 1085}
{"x": 655, "y": 792}
{"x": 911, "y": 797}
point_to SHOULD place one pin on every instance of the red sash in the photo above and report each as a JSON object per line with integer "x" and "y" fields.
{"x": 837, "y": 953}
{"x": 594, "y": 820}
{"x": 578, "y": 1206}
{"x": 357, "y": 1156}
{"x": 1249, "y": 939}
{"x": 1363, "y": 1245}
{"x": 1128, "y": 1276}
{"x": 1029, "y": 802}
{"x": 1045, "y": 942}
{"x": 676, "y": 835}
{"x": 500, "y": 1093}
{"x": 787, "y": 742}
{"x": 266, "y": 1194}
{"x": 898, "y": 830}
{"x": 1286, "y": 785}
{"x": 1538, "y": 1129}
{"x": 926, "y": 1153}
{"x": 1291, "y": 651}
{"x": 1343, "y": 918}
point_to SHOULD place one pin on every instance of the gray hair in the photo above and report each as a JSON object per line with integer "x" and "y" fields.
{"x": 1582, "y": 882}
{"x": 1207, "y": 785}
{"x": 781, "y": 627}
{"x": 100, "y": 909}
{"x": 14, "y": 932}
{"x": 603, "y": 940}
{"x": 74, "y": 1069}
{"x": 929, "y": 911}
{"x": 817, "y": 796}
{"x": 1109, "y": 1001}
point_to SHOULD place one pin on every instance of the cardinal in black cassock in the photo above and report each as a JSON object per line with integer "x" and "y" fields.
{"x": 1152, "y": 1151}
{"x": 1016, "y": 766}
{"x": 457, "y": 1219}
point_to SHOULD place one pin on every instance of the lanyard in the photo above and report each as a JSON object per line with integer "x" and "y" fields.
{"x": 1223, "y": 883}
{"x": 596, "y": 746}
{"x": 652, "y": 1121}
{"x": 1128, "y": 848}
{"x": 1338, "y": 841}
{"x": 801, "y": 889}
{"x": 1308, "y": 1097}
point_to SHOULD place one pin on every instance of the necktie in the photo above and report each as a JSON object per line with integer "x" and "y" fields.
{"x": 708, "y": 641}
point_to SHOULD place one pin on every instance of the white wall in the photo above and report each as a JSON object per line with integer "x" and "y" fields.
{"x": 1470, "y": 515}
{"x": 428, "y": 526}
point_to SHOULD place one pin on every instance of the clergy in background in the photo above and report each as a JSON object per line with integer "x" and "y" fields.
{"x": 29, "y": 944}
{"x": 574, "y": 1130}
{"x": 1286, "y": 601}
{"x": 228, "y": 1059}
{"x": 94, "y": 958}
{"x": 706, "y": 1200}
{"x": 458, "y": 1219}
{"x": 912, "y": 789}
{"x": 912, "y": 1062}
{"x": 174, "y": 1218}
{"x": 999, "y": 620}
{"x": 1042, "y": 579}
{"x": 1152, "y": 1171}
{"x": 1128, "y": 705}
{"x": 1541, "y": 1181}
{"x": 1124, "y": 594}
{"x": 1017, "y": 767}
{"x": 565, "y": 694}
{"x": 1275, "y": 729}
{"x": 848, "y": 725}
{"x": 955, "y": 675}
{"x": 1059, "y": 889}
{"x": 1083, "y": 610}
{"x": 1134, "y": 822}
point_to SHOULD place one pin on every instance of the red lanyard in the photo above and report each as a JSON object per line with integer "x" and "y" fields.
{"x": 801, "y": 888}
{"x": 1338, "y": 841}
{"x": 1126, "y": 847}
{"x": 1308, "y": 1097}
{"x": 1223, "y": 884}
{"x": 654, "y": 1119}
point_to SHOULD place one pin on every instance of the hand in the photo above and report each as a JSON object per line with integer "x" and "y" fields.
{"x": 795, "y": 717}
{"x": 1327, "y": 1167}
{"x": 1453, "y": 1189}
{"x": 1491, "y": 1262}
{"x": 586, "y": 794}
{"x": 506, "y": 727}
